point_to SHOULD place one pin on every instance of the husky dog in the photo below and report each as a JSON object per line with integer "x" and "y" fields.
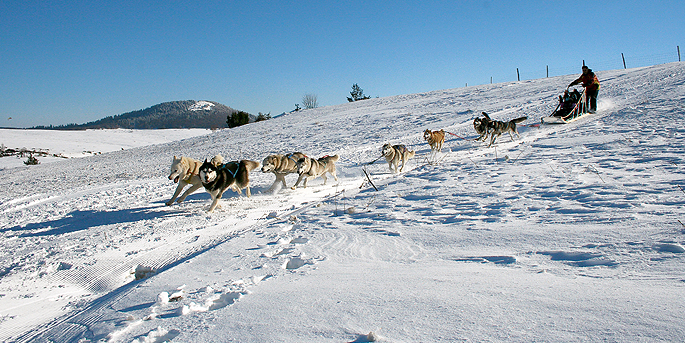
{"x": 498, "y": 128}
{"x": 184, "y": 171}
{"x": 309, "y": 168}
{"x": 482, "y": 126}
{"x": 217, "y": 177}
{"x": 281, "y": 165}
{"x": 394, "y": 154}
{"x": 435, "y": 139}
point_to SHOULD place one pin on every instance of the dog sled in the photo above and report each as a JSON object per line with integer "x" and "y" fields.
{"x": 572, "y": 105}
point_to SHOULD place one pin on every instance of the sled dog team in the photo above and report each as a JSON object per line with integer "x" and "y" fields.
{"x": 217, "y": 177}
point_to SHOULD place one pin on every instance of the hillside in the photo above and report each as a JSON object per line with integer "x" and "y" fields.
{"x": 569, "y": 233}
{"x": 167, "y": 115}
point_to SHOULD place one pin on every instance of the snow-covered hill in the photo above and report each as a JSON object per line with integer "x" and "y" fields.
{"x": 570, "y": 233}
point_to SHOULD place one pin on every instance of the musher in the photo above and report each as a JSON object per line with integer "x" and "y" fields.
{"x": 591, "y": 84}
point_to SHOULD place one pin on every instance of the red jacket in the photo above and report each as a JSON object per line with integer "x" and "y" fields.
{"x": 589, "y": 81}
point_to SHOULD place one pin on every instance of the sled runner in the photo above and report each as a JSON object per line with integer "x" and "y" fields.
{"x": 572, "y": 105}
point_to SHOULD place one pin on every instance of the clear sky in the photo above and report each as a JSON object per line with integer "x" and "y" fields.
{"x": 78, "y": 61}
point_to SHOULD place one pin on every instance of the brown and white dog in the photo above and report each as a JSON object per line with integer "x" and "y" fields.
{"x": 217, "y": 177}
{"x": 309, "y": 168}
{"x": 435, "y": 139}
{"x": 281, "y": 165}
{"x": 184, "y": 171}
{"x": 394, "y": 154}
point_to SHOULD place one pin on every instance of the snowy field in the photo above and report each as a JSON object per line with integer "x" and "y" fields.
{"x": 570, "y": 233}
{"x": 83, "y": 143}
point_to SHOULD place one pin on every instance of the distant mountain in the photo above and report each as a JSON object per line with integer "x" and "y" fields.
{"x": 167, "y": 115}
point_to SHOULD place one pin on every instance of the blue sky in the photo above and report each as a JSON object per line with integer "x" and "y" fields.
{"x": 78, "y": 61}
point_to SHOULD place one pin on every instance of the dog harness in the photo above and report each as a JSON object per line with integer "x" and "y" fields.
{"x": 225, "y": 166}
{"x": 290, "y": 156}
{"x": 322, "y": 161}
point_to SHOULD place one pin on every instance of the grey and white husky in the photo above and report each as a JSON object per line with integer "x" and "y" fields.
{"x": 281, "y": 165}
{"x": 309, "y": 168}
{"x": 497, "y": 128}
{"x": 394, "y": 154}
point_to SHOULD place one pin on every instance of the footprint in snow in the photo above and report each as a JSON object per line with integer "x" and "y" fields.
{"x": 158, "y": 335}
{"x": 299, "y": 262}
{"x": 580, "y": 259}
{"x": 668, "y": 247}
{"x": 214, "y": 302}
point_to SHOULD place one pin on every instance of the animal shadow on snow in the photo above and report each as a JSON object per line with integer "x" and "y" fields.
{"x": 200, "y": 195}
{"x": 82, "y": 220}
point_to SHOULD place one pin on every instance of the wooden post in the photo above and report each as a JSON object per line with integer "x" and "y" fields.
{"x": 624, "y": 61}
{"x": 518, "y": 76}
{"x": 678, "y": 60}
{"x": 548, "y": 71}
{"x": 678, "y": 46}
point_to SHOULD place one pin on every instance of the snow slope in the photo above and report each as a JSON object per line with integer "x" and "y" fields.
{"x": 570, "y": 233}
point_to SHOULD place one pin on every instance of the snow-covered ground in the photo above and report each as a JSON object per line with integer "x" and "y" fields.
{"x": 571, "y": 233}
{"x": 82, "y": 143}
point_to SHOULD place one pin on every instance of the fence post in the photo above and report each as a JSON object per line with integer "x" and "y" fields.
{"x": 547, "y": 70}
{"x": 678, "y": 46}
{"x": 518, "y": 76}
{"x": 490, "y": 79}
{"x": 624, "y": 61}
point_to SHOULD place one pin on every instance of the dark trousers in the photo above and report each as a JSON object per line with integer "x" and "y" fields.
{"x": 592, "y": 99}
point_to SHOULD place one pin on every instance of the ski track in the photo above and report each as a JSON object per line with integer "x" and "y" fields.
{"x": 611, "y": 180}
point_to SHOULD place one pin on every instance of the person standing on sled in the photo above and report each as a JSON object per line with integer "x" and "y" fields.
{"x": 591, "y": 84}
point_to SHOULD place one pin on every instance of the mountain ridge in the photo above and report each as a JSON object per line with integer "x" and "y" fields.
{"x": 179, "y": 114}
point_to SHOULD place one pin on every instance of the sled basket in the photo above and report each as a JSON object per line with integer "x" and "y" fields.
{"x": 563, "y": 114}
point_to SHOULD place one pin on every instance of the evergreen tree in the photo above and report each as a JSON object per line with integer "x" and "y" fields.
{"x": 238, "y": 118}
{"x": 357, "y": 94}
{"x": 262, "y": 116}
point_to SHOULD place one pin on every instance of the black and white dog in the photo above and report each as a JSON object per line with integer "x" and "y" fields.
{"x": 217, "y": 177}
{"x": 497, "y": 128}
{"x": 482, "y": 126}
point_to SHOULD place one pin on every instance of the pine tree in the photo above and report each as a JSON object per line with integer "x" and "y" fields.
{"x": 357, "y": 94}
{"x": 238, "y": 118}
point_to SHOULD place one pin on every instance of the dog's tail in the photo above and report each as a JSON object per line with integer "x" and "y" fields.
{"x": 518, "y": 120}
{"x": 411, "y": 153}
{"x": 486, "y": 115}
{"x": 334, "y": 158}
{"x": 250, "y": 165}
